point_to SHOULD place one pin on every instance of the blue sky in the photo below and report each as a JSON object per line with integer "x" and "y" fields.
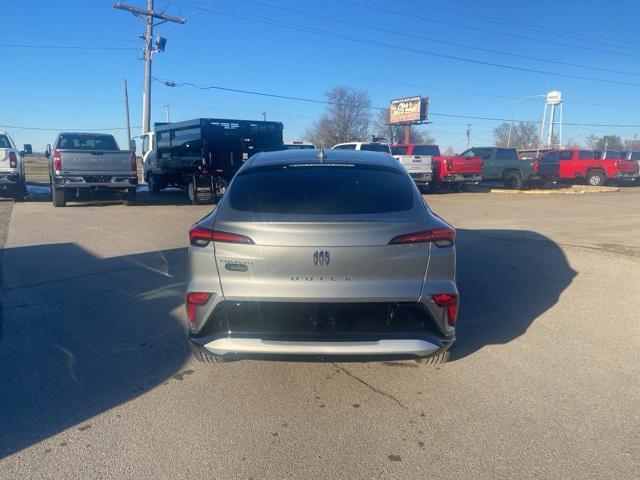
{"x": 82, "y": 89}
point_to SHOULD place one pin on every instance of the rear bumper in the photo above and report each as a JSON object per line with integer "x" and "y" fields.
{"x": 285, "y": 330}
{"x": 9, "y": 179}
{"x": 421, "y": 178}
{"x": 461, "y": 177}
{"x": 625, "y": 176}
{"x": 95, "y": 181}
{"x": 259, "y": 348}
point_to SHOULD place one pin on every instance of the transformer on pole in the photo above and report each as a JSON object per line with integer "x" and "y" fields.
{"x": 148, "y": 16}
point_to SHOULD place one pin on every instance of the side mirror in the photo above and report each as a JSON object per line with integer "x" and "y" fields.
{"x": 47, "y": 152}
{"x": 28, "y": 149}
{"x": 132, "y": 145}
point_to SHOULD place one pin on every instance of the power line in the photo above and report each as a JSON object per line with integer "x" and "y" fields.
{"x": 573, "y": 35}
{"x": 64, "y": 47}
{"x": 444, "y": 42}
{"x": 485, "y": 30}
{"x": 326, "y": 33}
{"x": 326, "y": 102}
{"x": 44, "y": 129}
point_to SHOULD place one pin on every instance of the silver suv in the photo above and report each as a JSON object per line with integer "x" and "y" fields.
{"x": 322, "y": 254}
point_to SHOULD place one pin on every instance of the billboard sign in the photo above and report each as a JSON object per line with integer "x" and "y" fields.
{"x": 408, "y": 110}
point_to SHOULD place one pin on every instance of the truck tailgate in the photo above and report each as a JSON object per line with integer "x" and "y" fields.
{"x": 415, "y": 163}
{"x": 629, "y": 166}
{"x": 458, "y": 164}
{"x": 75, "y": 161}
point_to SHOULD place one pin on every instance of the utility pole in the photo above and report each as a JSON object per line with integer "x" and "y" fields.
{"x": 407, "y": 133}
{"x": 126, "y": 109}
{"x": 148, "y": 16}
{"x": 167, "y": 112}
{"x": 264, "y": 116}
{"x": 468, "y": 134}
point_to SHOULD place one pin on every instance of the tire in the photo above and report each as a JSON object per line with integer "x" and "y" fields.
{"x": 596, "y": 179}
{"x": 205, "y": 356}
{"x": 153, "y": 185}
{"x": 457, "y": 187}
{"x": 436, "y": 359}
{"x": 513, "y": 181}
{"x": 191, "y": 193}
{"x": 58, "y": 197}
{"x": 424, "y": 189}
{"x": 20, "y": 192}
{"x": 130, "y": 197}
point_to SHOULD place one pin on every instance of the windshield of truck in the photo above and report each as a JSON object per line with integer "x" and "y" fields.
{"x": 399, "y": 150}
{"x": 432, "y": 150}
{"x": 375, "y": 147}
{"x": 4, "y": 142}
{"x": 303, "y": 190}
{"x": 79, "y": 141}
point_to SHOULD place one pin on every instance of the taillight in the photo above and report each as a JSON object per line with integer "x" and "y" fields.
{"x": 535, "y": 166}
{"x": 134, "y": 162}
{"x": 57, "y": 161}
{"x": 450, "y": 302}
{"x": 13, "y": 160}
{"x": 619, "y": 164}
{"x": 441, "y": 237}
{"x": 448, "y": 164}
{"x": 200, "y": 237}
{"x": 195, "y": 300}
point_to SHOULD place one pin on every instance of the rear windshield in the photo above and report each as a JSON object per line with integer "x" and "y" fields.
{"x": 507, "y": 153}
{"x": 297, "y": 146}
{"x": 4, "y": 142}
{"x": 322, "y": 190}
{"x": 375, "y": 147}
{"x": 87, "y": 142}
{"x": 401, "y": 150}
{"x": 634, "y": 156}
{"x": 432, "y": 150}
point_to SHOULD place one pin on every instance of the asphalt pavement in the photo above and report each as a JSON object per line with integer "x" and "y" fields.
{"x": 97, "y": 380}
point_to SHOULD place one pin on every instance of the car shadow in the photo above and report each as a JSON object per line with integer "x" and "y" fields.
{"x": 84, "y": 334}
{"x": 507, "y": 279}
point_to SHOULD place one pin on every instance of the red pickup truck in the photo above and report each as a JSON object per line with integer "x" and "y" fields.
{"x": 574, "y": 164}
{"x": 456, "y": 171}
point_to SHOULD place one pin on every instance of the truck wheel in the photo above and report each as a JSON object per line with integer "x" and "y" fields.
{"x": 153, "y": 185}
{"x": 513, "y": 181}
{"x": 130, "y": 197}
{"x": 191, "y": 192}
{"x": 57, "y": 194}
{"x": 20, "y": 192}
{"x": 457, "y": 187}
{"x": 435, "y": 359}
{"x": 424, "y": 189}
{"x": 596, "y": 179}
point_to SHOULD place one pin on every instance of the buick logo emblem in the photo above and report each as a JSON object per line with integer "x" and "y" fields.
{"x": 321, "y": 257}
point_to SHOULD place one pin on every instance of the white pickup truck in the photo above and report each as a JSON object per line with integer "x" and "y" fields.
{"x": 88, "y": 163}
{"x": 12, "y": 178}
{"x": 417, "y": 159}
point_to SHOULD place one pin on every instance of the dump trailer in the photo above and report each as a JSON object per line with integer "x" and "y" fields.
{"x": 201, "y": 156}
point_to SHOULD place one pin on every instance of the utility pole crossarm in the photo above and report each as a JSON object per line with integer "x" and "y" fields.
{"x": 149, "y": 13}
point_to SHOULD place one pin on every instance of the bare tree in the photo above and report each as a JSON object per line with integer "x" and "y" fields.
{"x": 632, "y": 145}
{"x": 606, "y": 142}
{"x": 395, "y": 133}
{"x": 523, "y": 135}
{"x": 345, "y": 120}
{"x": 449, "y": 151}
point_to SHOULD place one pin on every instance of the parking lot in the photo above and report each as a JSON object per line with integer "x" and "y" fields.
{"x": 98, "y": 380}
